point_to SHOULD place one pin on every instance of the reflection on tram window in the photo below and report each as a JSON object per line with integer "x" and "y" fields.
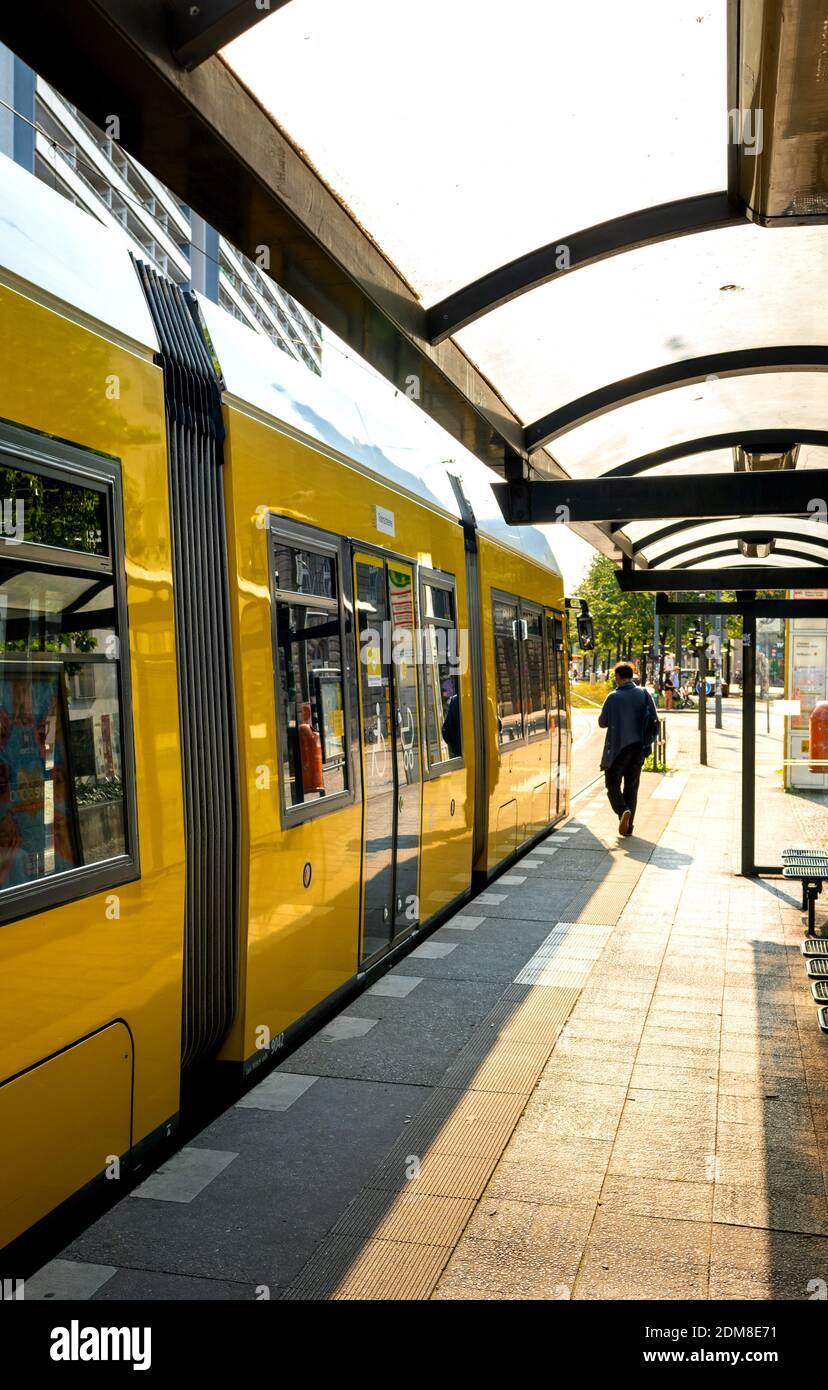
{"x": 311, "y": 703}
{"x": 536, "y": 721}
{"x": 56, "y": 612}
{"x": 507, "y": 673}
{"x": 42, "y": 510}
{"x": 61, "y": 776}
{"x": 299, "y": 571}
{"x": 442, "y": 678}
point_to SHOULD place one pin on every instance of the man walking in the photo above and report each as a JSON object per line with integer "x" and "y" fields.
{"x": 630, "y": 719}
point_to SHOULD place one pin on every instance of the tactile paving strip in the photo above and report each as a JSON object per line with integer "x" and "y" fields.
{"x": 566, "y": 957}
{"x": 509, "y": 1066}
{"x": 348, "y": 1267}
{"x": 412, "y": 1217}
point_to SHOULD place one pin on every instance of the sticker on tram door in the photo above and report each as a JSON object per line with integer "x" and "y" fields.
{"x": 373, "y": 665}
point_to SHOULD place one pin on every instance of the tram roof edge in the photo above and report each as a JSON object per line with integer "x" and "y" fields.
{"x": 70, "y": 258}
{"x": 380, "y": 429}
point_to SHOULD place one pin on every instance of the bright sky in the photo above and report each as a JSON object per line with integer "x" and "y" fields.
{"x": 462, "y": 133}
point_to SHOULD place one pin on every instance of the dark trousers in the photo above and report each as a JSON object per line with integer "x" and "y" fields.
{"x": 622, "y": 778}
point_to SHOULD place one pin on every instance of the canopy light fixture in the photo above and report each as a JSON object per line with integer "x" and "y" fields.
{"x": 764, "y": 460}
{"x": 757, "y": 549}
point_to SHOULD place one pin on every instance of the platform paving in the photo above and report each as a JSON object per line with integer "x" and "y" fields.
{"x": 610, "y": 1085}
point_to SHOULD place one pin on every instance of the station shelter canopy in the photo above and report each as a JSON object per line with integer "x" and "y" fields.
{"x": 595, "y": 235}
{"x": 674, "y": 156}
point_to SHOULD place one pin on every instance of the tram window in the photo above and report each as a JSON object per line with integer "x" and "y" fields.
{"x": 301, "y": 571}
{"x": 536, "y": 712}
{"x": 61, "y": 773}
{"x": 310, "y": 691}
{"x": 441, "y": 674}
{"x": 507, "y": 673}
{"x": 45, "y": 510}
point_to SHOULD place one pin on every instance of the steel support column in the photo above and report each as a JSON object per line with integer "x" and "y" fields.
{"x": 749, "y": 744}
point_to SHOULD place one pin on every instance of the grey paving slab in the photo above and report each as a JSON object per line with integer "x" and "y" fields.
{"x": 346, "y": 1027}
{"x": 395, "y": 986}
{"x": 433, "y": 950}
{"x": 416, "y": 1041}
{"x": 278, "y": 1091}
{"x": 541, "y": 900}
{"x": 74, "y": 1280}
{"x": 149, "y": 1285}
{"x": 260, "y": 1220}
{"x": 184, "y": 1176}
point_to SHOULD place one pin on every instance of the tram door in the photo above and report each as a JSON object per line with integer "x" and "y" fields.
{"x": 390, "y": 744}
{"x": 559, "y": 741}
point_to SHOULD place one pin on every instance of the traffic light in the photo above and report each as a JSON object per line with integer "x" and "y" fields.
{"x": 586, "y": 634}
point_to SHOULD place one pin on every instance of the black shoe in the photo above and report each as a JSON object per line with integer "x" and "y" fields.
{"x": 625, "y": 823}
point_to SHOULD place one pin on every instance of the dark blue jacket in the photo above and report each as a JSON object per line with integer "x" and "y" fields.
{"x": 629, "y": 716}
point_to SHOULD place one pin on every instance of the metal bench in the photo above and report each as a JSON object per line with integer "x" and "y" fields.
{"x": 810, "y": 868}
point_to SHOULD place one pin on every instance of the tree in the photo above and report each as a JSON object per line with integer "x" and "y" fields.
{"x": 620, "y": 620}
{"x": 624, "y": 621}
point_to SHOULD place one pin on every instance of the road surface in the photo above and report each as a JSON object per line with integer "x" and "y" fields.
{"x": 587, "y": 742}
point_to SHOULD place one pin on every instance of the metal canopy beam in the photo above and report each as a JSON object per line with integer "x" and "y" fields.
{"x": 646, "y": 227}
{"x": 778, "y": 535}
{"x": 635, "y": 581}
{"x": 197, "y": 31}
{"x": 667, "y": 377}
{"x": 751, "y": 440}
{"x": 703, "y": 495}
{"x": 763, "y": 608}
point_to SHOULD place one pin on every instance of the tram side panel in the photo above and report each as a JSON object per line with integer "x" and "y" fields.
{"x": 293, "y": 512}
{"x": 521, "y": 744}
{"x": 90, "y": 945}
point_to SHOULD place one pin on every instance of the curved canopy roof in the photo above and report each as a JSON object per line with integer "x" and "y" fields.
{"x": 638, "y": 153}
{"x": 592, "y": 240}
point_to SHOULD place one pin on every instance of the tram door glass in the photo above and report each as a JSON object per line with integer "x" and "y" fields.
{"x": 559, "y": 743}
{"x": 390, "y": 740}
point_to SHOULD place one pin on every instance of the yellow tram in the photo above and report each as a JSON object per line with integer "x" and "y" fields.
{"x": 279, "y": 692}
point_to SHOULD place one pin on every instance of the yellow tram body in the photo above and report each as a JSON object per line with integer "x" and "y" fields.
{"x": 91, "y": 980}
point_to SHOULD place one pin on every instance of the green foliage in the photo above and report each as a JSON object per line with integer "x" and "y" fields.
{"x": 583, "y": 694}
{"x": 622, "y": 619}
{"x": 54, "y": 512}
{"x": 616, "y": 617}
{"x": 106, "y": 789}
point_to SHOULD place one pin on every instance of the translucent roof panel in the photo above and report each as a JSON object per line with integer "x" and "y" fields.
{"x": 721, "y": 461}
{"x": 805, "y": 550}
{"x": 763, "y": 401}
{"x": 719, "y": 291}
{"x": 697, "y": 533}
{"x": 780, "y": 562}
{"x": 468, "y": 133}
